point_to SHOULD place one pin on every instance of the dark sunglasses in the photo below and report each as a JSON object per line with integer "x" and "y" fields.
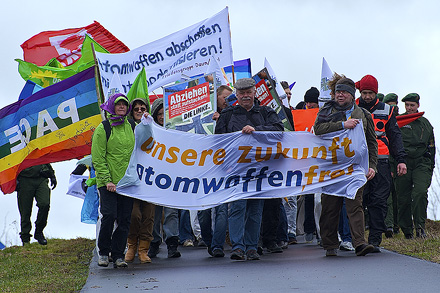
{"x": 137, "y": 109}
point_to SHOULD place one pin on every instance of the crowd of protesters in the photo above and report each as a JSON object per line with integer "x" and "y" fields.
{"x": 401, "y": 162}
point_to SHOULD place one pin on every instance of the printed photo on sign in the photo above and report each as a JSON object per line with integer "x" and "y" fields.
{"x": 189, "y": 105}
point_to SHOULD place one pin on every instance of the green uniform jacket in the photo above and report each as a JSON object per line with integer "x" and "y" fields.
{"x": 418, "y": 139}
{"x": 111, "y": 158}
{"x": 367, "y": 121}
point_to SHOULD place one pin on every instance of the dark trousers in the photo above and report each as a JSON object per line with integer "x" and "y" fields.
{"x": 114, "y": 207}
{"x": 282, "y": 233}
{"x": 271, "y": 220}
{"x": 29, "y": 189}
{"x": 309, "y": 214}
{"x": 376, "y": 194}
{"x": 331, "y": 207}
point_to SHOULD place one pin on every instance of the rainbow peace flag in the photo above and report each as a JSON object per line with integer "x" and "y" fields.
{"x": 54, "y": 124}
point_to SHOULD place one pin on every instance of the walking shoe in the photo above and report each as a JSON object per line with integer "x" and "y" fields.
{"x": 103, "y": 261}
{"x": 237, "y": 254}
{"x": 283, "y": 244}
{"x": 201, "y": 243}
{"x": 292, "y": 240}
{"x": 188, "y": 243}
{"x": 376, "y": 249}
{"x": 331, "y": 252}
{"x": 364, "y": 249}
{"x": 260, "y": 250}
{"x": 173, "y": 252}
{"x": 252, "y": 255}
{"x": 39, "y": 236}
{"x": 420, "y": 233}
{"x": 218, "y": 252}
{"x": 274, "y": 248}
{"x": 120, "y": 263}
{"x": 309, "y": 237}
{"x": 409, "y": 236}
{"x": 154, "y": 249}
{"x": 389, "y": 233}
{"x": 210, "y": 251}
{"x": 346, "y": 245}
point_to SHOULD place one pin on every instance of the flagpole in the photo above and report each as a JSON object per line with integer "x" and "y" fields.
{"x": 98, "y": 83}
{"x": 233, "y": 75}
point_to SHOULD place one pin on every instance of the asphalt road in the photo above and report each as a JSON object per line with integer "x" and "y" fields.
{"x": 300, "y": 268}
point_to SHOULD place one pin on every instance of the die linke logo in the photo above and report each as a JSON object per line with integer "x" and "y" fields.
{"x": 188, "y": 99}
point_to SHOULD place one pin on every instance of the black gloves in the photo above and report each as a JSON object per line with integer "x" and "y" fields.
{"x": 53, "y": 182}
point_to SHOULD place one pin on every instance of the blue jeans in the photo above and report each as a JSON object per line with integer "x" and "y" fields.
{"x": 291, "y": 210}
{"x": 214, "y": 238}
{"x": 170, "y": 223}
{"x": 344, "y": 227}
{"x": 185, "y": 230}
{"x": 245, "y": 222}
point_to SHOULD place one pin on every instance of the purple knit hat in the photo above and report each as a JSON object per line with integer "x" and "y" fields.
{"x": 109, "y": 106}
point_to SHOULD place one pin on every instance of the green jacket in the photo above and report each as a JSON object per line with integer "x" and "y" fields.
{"x": 111, "y": 158}
{"x": 367, "y": 121}
{"x": 418, "y": 139}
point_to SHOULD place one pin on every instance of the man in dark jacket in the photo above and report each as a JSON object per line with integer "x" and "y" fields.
{"x": 32, "y": 183}
{"x": 245, "y": 215}
{"x": 343, "y": 113}
{"x": 389, "y": 140}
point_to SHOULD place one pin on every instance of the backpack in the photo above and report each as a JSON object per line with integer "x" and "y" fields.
{"x": 108, "y": 129}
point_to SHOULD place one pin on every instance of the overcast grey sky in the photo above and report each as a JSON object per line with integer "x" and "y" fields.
{"x": 396, "y": 41}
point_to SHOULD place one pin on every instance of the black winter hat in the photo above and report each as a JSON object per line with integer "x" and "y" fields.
{"x": 311, "y": 95}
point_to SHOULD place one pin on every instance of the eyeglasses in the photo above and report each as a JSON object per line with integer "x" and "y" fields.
{"x": 142, "y": 109}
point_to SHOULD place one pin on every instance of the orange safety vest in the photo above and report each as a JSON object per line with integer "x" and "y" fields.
{"x": 381, "y": 115}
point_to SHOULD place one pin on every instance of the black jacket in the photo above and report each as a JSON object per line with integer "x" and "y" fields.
{"x": 234, "y": 118}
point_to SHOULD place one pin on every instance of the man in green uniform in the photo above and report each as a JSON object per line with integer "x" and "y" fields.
{"x": 391, "y": 218}
{"x": 412, "y": 188}
{"x": 32, "y": 183}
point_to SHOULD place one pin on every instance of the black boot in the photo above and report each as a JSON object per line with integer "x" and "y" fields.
{"x": 39, "y": 236}
{"x": 172, "y": 244}
{"x": 154, "y": 249}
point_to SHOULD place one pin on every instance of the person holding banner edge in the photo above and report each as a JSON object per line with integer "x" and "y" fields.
{"x": 110, "y": 158}
{"x": 343, "y": 113}
{"x": 245, "y": 216}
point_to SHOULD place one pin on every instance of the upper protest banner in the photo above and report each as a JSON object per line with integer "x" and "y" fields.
{"x": 193, "y": 171}
{"x": 187, "y": 51}
{"x": 66, "y": 45}
{"x": 54, "y": 124}
{"x": 189, "y": 105}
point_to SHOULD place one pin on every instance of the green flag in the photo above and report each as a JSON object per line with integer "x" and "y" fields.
{"x": 139, "y": 89}
{"x": 53, "y": 71}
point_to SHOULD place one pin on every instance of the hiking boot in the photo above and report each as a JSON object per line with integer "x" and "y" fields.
{"x": 154, "y": 249}
{"x": 39, "y": 236}
{"x": 364, "y": 249}
{"x": 274, "y": 248}
{"x": 331, "y": 252}
{"x": 420, "y": 233}
{"x": 218, "y": 252}
{"x": 132, "y": 244}
{"x": 409, "y": 236}
{"x": 144, "y": 245}
{"x": 389, "y": 233}
{"x": 173, "y": 252}
{"x": 103, "y": 261}
{"x": 237, "y": 254}
{"x": 346, "y": 245}
{"x": 120, "y": 263}
{"x": 252, "y": 255}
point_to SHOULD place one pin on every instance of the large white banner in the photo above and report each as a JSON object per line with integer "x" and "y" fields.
{"x": 194, "y": 171}
{"x": 187, "y": 51}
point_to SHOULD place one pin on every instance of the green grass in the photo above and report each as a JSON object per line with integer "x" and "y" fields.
{"x": 60, "y": 266}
